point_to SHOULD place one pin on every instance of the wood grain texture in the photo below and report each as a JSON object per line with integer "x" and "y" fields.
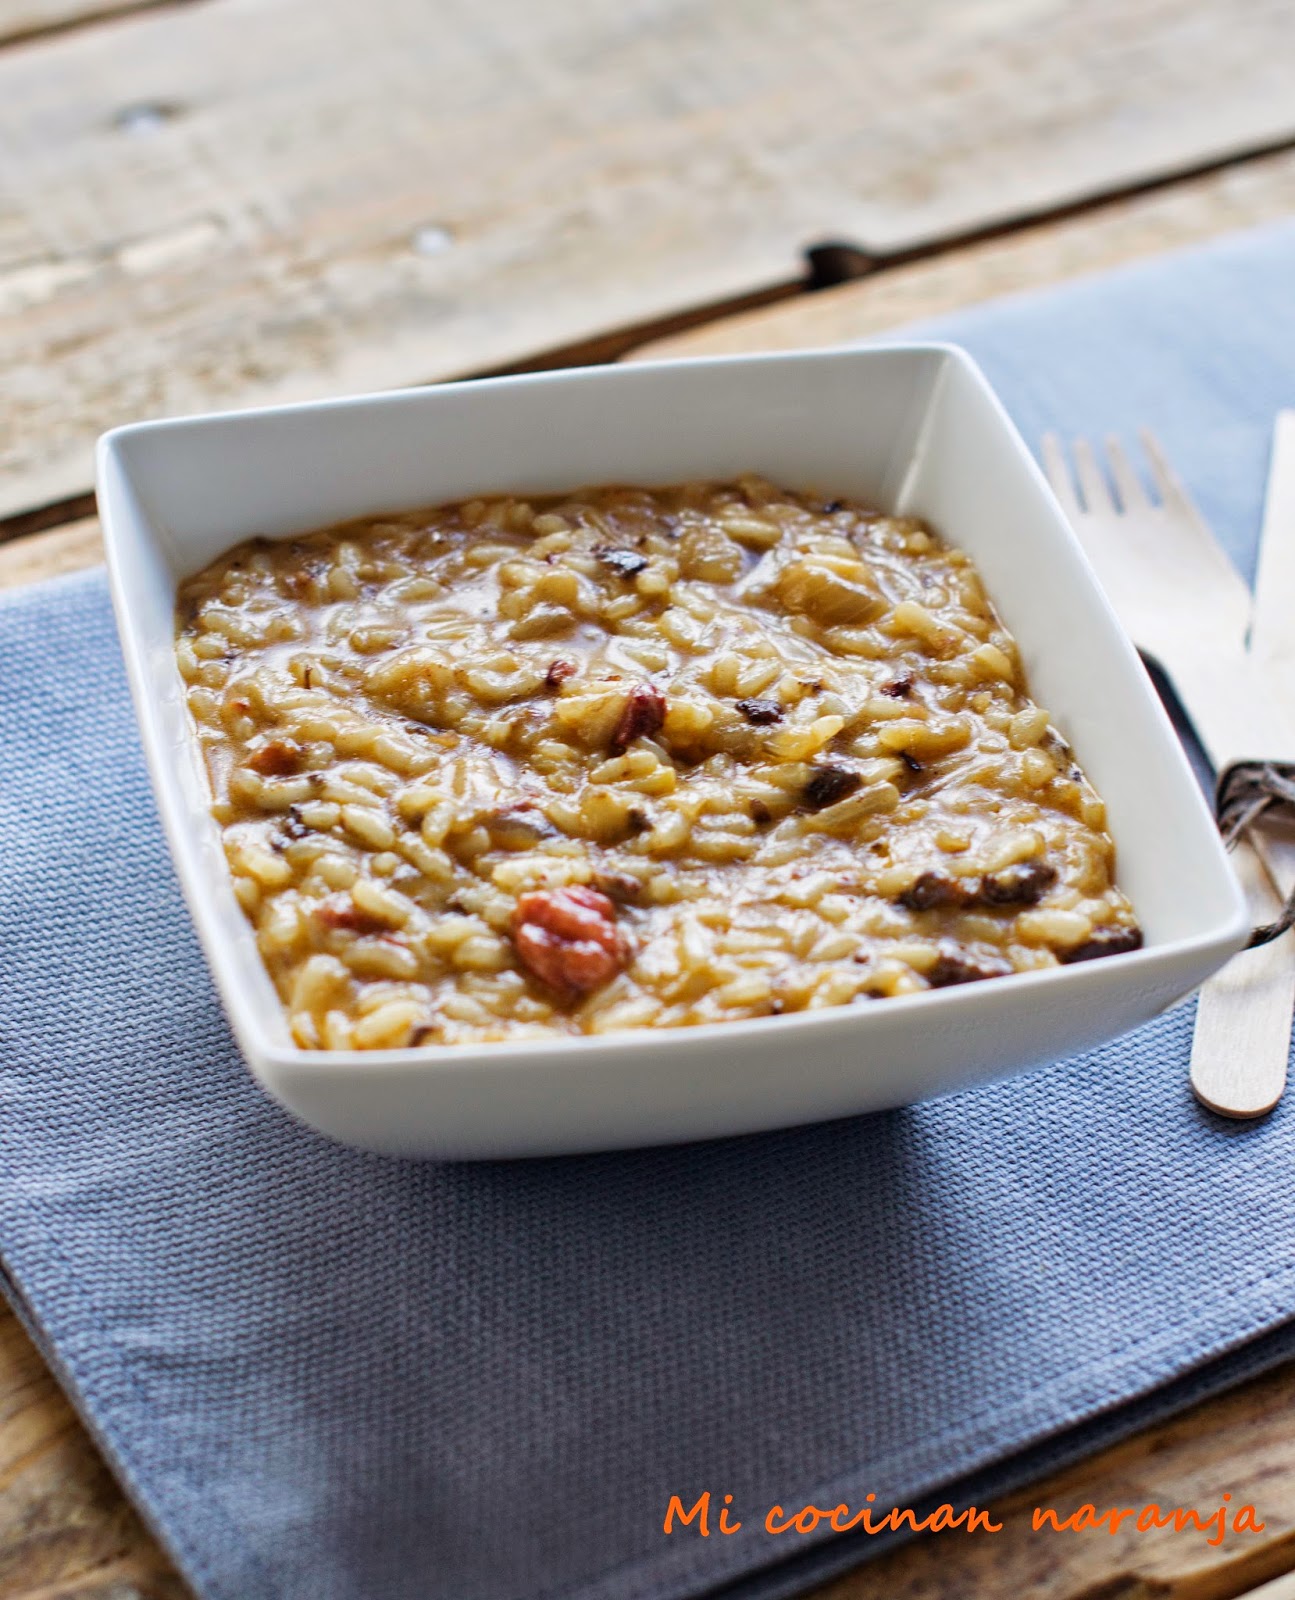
{"x": 1246, "y": 195}
{"x": 1106, "y": 236}
{"x": 1242, "y": 1444}
{"x": 241, "y": 201}
{"x": 49, "y": 554}
{"x": 26, "y": 19}
{"x": 1242, "y": 1037}
{"x": 66, "y": 1533}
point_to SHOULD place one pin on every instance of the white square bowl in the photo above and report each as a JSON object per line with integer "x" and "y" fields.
{"x": 911, "y": 429}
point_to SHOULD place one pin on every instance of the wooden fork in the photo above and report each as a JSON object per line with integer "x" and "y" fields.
{"x": 1186, "y": 606}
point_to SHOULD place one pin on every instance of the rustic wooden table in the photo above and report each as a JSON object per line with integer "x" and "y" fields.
{"x": 222, "y": 202}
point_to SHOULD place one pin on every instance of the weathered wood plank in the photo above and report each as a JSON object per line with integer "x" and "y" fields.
{"x": 1246, "y": 195}
{"x": 46, "y": 555}
{"x": 235, "y": 202}
{"x": 25, "y": 19}
{"x": 1108, "y": 235}
{"x": 66, "y": 1533}
{"x": 1242, "y": 1444}
{"x": 1186, "y": 213}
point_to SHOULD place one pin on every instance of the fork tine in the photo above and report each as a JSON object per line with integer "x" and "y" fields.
{"x": 1058, "y": 470}
{"x": 1092, "y": 480}
{"x": 1129, "y": 486}
{"x": 1169, "y": 486}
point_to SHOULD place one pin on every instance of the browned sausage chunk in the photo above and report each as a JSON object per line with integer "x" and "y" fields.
{"x": 760, "y": 712}
{"x": 1024, "y": 884}
{"x": 955, "y": 964}
{"x": 932, "y": 891}
{"x": 828, "y": 785}
{"x": 1103, "y": 942}
{"x": 642, "y": 717}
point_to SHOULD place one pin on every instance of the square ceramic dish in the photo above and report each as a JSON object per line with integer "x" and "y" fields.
{"x": 911, "y": 429}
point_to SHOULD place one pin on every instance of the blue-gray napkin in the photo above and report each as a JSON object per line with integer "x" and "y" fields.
{"x": 331, "y": 1376}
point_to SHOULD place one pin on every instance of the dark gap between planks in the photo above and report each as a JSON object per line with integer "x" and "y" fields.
{"x": 828, "y": 265}
{"x": 32, "y": 33}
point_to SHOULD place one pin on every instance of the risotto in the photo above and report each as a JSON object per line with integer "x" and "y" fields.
{"x": 631, "y": 758}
